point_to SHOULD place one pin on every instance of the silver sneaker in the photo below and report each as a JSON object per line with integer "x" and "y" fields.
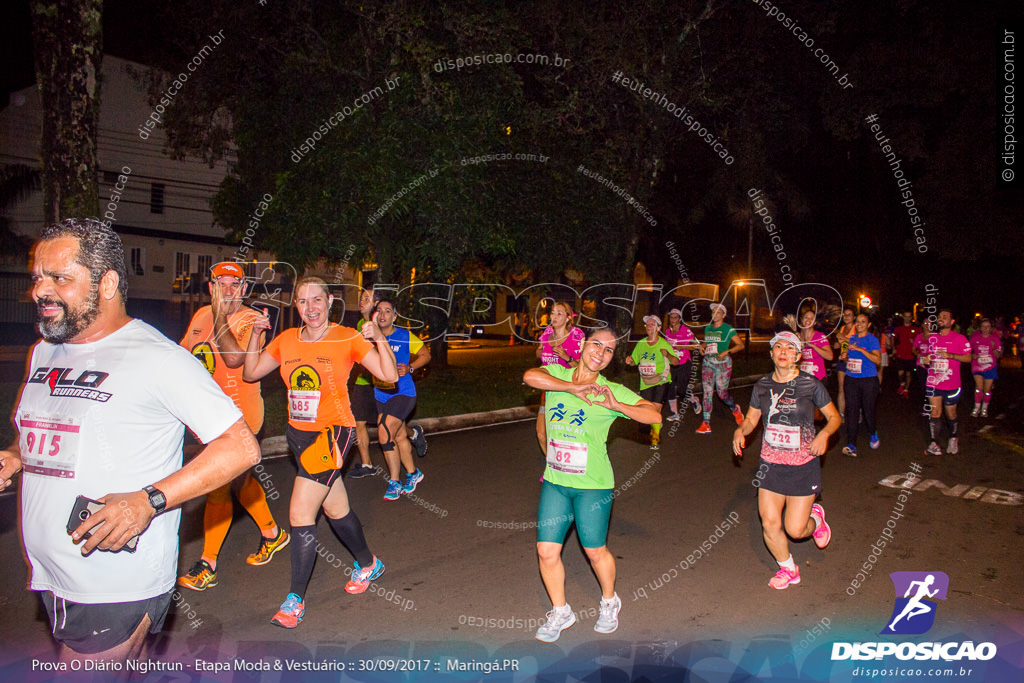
{"x": 608, "y": 619}
{"x": 953, "y": 447}
{"x": 984, "y": 410}
{"x": 977, "y": 410}
{"x": 559, "y": 619}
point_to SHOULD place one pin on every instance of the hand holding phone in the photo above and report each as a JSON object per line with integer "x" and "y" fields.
{"x": 85, "y": 508}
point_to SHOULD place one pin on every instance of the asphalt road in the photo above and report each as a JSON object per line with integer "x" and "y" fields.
{"x": 462, "y": 578}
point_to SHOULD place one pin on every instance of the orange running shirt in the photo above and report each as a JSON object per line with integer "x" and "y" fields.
{"x": 316, "y": 375}
{"x": 198, "y": 340}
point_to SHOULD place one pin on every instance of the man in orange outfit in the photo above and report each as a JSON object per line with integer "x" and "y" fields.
{"x": 217, "y": 335}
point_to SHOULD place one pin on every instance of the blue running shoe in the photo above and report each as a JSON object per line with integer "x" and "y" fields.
{"x": 394, "y": 490}
{"x": 412, "y": 481}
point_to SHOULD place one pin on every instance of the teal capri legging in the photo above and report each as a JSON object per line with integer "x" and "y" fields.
{"x": 561, "y": 505}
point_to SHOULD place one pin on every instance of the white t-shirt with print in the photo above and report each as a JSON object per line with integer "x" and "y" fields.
{"x": 108, "y": 417}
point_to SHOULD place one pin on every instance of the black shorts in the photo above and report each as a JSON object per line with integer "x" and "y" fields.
{"x": 950, "y": 397}
{"x": 91, "y": 628}
{"x": 400, "y": 406}
{"x": 790, "y": 480}
{"x": 906, "y": 364}
{"x": 299, "y": 440}
{"x": 364, "y": 405}
{"x": 655, "y": 394}
{"x": 681, "y": 375}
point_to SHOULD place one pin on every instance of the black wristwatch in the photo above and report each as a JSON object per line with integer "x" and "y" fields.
{"x": 156, "y": 498}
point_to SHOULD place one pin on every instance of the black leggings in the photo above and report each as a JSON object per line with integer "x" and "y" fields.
{"x": 861, "y": 395}
{"x": 681, "y": 378}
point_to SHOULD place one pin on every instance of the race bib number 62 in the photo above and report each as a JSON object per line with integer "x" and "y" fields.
{"x": 567, "y": 456}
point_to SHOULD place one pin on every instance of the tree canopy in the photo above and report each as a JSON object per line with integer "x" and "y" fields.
{"x": 394, "y": 178}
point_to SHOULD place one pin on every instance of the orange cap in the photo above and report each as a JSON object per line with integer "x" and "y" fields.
{"x": 229, "y": 268}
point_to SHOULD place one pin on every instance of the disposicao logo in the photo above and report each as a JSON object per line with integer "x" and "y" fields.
{"x": 914, "y": 614}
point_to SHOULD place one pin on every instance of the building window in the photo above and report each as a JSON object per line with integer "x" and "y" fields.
{"x": 138, "y": 260}
{"x": 203, "y": 264}
{"x": 156, "y": 198}
{"x": 182, "y": 261}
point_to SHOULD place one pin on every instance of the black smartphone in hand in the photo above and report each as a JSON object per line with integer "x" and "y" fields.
{"x": 84, "y": 509}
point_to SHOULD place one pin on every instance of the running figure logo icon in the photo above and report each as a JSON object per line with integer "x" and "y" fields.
{"x": 914, "y": 612}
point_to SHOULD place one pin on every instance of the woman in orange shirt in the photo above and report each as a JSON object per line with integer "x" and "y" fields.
{"x": 315, "y": 361}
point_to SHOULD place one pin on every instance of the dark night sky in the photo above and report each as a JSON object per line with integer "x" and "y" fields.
{"x": 856, "y": 234}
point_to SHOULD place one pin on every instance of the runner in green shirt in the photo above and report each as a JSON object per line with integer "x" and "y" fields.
{"x": 653, "y": 357}
{"x": 720, "y": 342}
{"x": 580, "y": 407}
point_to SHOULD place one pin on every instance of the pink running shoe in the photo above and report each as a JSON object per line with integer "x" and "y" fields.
{"x": 823, "y": 533}
{"x": 784, "y": 578}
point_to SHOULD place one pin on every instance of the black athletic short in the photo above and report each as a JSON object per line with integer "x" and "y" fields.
{"x": 364, "y": 405}
{"x": 655, "y": 394}
{"x": 400, "y": 406}
{"x": 299, "y": 440}
{"x": 790, "y": 480}
{"x": 91, "y": 628}
{"x": 906, "y": 364}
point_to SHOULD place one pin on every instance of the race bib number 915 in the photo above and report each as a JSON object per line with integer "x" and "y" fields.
{"x": 49, "y": 445}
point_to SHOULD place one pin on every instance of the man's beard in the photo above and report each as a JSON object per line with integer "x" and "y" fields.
{"x": 70, "y": 324}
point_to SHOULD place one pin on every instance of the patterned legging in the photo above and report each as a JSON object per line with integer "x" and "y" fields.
{"x": 715, "y": 378}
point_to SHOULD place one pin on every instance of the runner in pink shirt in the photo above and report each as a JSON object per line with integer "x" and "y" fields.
{"x": 561, "y": 343}
{"x": 946, "y": 350}
{"x": 985, "y": 351}
{"x": 816, "y": 348}
{"x": 683, "y": 380}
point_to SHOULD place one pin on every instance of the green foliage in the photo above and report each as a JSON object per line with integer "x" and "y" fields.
{"x": 404, "y": 155}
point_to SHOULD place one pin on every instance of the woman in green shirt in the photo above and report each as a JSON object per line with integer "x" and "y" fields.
{"x": 720, "y": 342}
{"x": 653, "y": 357}
{"x": 578, "y": 481}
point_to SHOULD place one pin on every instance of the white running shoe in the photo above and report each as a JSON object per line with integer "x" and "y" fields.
{"x": 608, "y": 619}
{"x": 559, "y": 619}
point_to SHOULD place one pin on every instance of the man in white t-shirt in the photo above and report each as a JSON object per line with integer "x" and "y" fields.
{"x": 101, "y": 411}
